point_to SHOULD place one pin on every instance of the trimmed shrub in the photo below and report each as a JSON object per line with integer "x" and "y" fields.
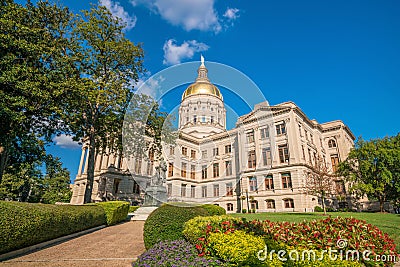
{"x": 133, "y": 208}
{"x": 214, "y": 209}
{"x": 116, "y": 211}
{"x": 26, "y": 224}
{"x": 238, "y": 248}
{"x": 174, "y": 253}
{"x": 318, "y": 209}
{"x": 166, "y": 223}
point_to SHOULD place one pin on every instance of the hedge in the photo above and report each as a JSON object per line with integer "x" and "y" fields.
{"x": 26, "y": 224}
{"x": 214, "y": 209}
{"x": 133, "y": 209}
{"x": 166, "y": 223}
{"x": 116, "y": 211}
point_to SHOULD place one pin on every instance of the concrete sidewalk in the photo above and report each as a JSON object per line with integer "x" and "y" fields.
{"x": 116, "y": 246}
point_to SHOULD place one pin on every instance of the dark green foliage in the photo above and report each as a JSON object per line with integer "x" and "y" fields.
{"x": 26, "y": 224}
{"x": 166, "y": 223}
{"x": 133, "y": 208}
{"x": 318, "y": 209}
{"x": 214, "y": 209}
{"x": 116, "y": 211}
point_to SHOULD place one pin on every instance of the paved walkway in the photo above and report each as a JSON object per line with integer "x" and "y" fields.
{"x": 111, "y": 246}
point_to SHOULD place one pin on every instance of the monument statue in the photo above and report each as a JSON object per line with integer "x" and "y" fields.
{"x": 156, "y": 193}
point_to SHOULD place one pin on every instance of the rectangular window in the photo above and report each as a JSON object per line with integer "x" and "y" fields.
{"x": 312, "y": 138}
{"x": 204, "y": 154}
{"x": 184, "y": 151}
{"x": 229, "y": 207}
{"x": 192, "y": 171}
{"x": 212, "y": 119}
{"x": 195, "y": 119}
{"x": 171, "y": 150}
{"x": 216, "y": 170}
{"x": 269, "y": 182}
{"x": 270, "y": 204}
{"x": 264, "y": 132}
{"x": 204, "y": 172}
{"x": 286, "y": 180}
{"x": 193, "y": 154}
{"x": 283, "y": 153}
{"x": 289, "y": 203}
{"x": 280, "y": 129}
{"x": 306, "y": 134}
{"x": 250, "y": 137}
{"x": 170, "y": 169}
{"x": 251, "y": 162}
{"x": 204, "y": 191}
{"x": 266, "y": 154}
{"x": 253, "y": 183}
{"x": 203, "y": 118}
{"x": 335, "y": 162}
{"x": 300, "y": 133}
{"x": 309, "y": 156}
{"x": 183, "y": 190}
{"x": 215, "y": 151}
{"x": 216, "y": 190}
{"x": 192, "y": 191}
{"x": 228, "y": 168}
{"x": 304, "y": 153}
{"x": 183, "y": 170}
{"x": 229, "y": 189}
{"x": 138, "y": 166}
{"x": 228, "y": 149}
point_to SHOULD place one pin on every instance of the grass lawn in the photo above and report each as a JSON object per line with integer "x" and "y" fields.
{"x": 387, "y": 222}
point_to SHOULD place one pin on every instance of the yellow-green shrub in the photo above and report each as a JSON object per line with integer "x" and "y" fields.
{"x": 26, "y": 224}
{"x": 133, "y": 208}
{"x": 196, "y": 227}
{"x": 116, "y": 211}
{"x": 239, "y": 248}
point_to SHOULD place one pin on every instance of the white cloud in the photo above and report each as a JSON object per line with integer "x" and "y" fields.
{"x": 231, "y": 13}
{"x": 190, "y": 14}
{"x": 65, "y": 141}
{"x": 118, "y": 11}
{"x": 174, "y": 54}
{"x": 150, "y": 86}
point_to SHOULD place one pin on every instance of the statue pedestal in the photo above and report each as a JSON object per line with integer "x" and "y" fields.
{"x": 155, "y": 196}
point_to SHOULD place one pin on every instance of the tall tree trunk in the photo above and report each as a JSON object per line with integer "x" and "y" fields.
{"x": 90, "y": 169}
{"x": 323, "y": 201}
{"x": 381, "y": 201}
{"x": 4, "y": 154}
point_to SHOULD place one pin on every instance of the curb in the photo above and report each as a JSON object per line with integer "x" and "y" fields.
{"x": 15, "y": 253}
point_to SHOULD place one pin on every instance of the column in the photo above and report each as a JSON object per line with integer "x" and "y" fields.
{"x": 86, "y": 161}
{"x": 81, "y": 162}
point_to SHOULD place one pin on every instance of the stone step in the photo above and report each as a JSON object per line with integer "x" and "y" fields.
{"x": 142, "y": 213}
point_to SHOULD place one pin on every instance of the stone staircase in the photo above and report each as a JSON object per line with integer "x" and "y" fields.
{"x": 141, "y": 213}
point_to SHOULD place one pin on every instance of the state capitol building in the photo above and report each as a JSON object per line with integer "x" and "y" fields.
{"x": 258, "y": 165}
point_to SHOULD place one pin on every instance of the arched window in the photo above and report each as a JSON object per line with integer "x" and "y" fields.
{"x": 270, "y": 203}
{"x": 229, "y": 207}
{"x": 288, "y": 203}
{"x": 331, "y": 143}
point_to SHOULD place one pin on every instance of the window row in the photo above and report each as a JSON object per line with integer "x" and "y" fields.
{"x": 204, "y": 170}
{"x": 265, "y": 132}
{"x": 283, "y": 152}
{"x": 287, "y": 203}
{"x": 286, "y": 182}
{"x": 204, "y": 190}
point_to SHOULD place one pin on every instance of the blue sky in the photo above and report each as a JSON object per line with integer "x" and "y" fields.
{"x": 334, "y": 59}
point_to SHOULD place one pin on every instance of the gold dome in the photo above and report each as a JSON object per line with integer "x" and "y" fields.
{"x": 202, "y": 84}
{"x": 200, "y": 88}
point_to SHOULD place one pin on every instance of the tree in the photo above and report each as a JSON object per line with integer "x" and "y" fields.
{"x": 108, "y": 65}
{"x": 373, "y": 169}
{"x": 319, "y": 180}
{"x": 33, "y": 70}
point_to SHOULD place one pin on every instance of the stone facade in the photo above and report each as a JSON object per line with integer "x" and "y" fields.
{"x": 260, "y": 164}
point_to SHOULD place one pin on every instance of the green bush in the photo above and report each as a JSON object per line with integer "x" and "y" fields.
{"x": 166, "y": 223}
{"x": 116, "y": 211}
{"x": 318, "y": 209}
{"x": 26, "y": 224}
{"x": 238, "y": 248}
{"x": 214, "y": 209}
{"x": 133, "y": 208}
